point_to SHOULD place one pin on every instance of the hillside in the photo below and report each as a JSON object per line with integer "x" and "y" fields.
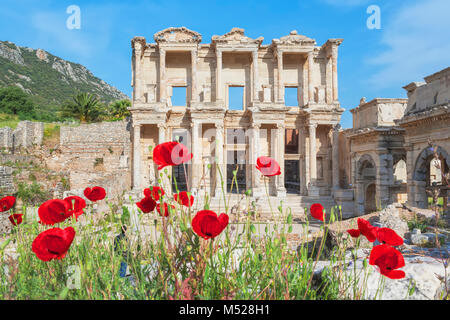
{"x": 49, "y": 79}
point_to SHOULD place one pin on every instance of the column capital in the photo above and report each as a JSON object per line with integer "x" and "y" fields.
{"x": 162, "y": 125}
{"x": 312, "y": 126}
{"x": 218, "y": 125}
{"x": 218, "y": 53}
{"x": 256, "y": 125}
{"x": 280, "y": 125}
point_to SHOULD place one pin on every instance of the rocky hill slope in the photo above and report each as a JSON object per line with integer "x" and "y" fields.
{"x": 49, "y": 79}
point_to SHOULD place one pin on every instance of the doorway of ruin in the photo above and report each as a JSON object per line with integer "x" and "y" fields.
{"x": 180, "y": 172}
{"x": 236, "y": 164}
{"x": 370, "y": 203}
{"x": 292, "y": 161}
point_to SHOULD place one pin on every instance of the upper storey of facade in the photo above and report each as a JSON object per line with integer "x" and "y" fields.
{"x": 292, "y": 74}
{"x": 379, "y": 112}
{"x": 428, "y": 99}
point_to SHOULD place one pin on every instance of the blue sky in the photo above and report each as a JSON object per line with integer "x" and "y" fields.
{"x": 413, "y": 41}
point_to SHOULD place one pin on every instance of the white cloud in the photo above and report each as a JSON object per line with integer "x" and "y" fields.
{"x": 417, "y": 38}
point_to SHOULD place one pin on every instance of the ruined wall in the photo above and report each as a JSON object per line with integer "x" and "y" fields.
{"x": 6, "y": 181}
{"x": 26, "y": 134}
{"x": 96, "y": 154}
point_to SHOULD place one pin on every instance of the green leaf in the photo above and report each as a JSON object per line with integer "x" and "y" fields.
{"x": 252, "y": 228}
{"x": 289, "y": 218}
{"x": 63, "y": 293}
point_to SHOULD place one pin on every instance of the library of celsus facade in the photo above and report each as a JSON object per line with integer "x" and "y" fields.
{"x": 233, "y": 100}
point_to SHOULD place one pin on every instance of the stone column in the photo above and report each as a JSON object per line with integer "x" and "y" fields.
{"x": 162, "y": 76}
{"x": 334, "y": 56}
{"x": 136, "y": 156}
{"x": 219, "y": 89}
{"x": 254, "y": 153}
{"x": 280, "y": 85}
{"x": 194, "y": 95}
{"x": 281, "y": 190}
{"x": 220, "y": 163}
{"x": 329, "y": 80}
{"x": 197, "y": 156}
{"x": 137, "y": 71}
{"x": 385, "y": 176}
{"x": 162, "y": 138}
{"x": 301, "y": 166}
{"x": 310, "y": 78}
{"x": 335, "y": 156}
{"x": 255, "y": 75}
{"x": 313, "y": 190}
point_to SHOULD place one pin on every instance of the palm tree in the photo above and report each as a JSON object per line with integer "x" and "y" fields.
{"x": 84, "y": 106}
{"x": 119, "y": 109}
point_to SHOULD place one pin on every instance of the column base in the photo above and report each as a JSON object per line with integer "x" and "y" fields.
{"x": 313, "y": 191}
{"x": 281, "y": 192}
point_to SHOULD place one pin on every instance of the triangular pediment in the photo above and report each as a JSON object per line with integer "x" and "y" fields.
{"x": 236, "y": 36}
{"x": 294, "y": 39}
{"x": 177, "y": 35}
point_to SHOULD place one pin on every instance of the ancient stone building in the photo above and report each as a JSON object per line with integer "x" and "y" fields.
{"x": 225, "y": 133}
{"x": 376, "y": 155}
{"x": 427, "y": 119}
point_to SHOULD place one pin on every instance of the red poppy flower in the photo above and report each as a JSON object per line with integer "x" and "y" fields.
{"x": 154, "y": 192}
{"x": 95, "y": 194}
{"x": 387, "y": 259}
{"x": 7, "y": 203}
{"x": 207, "y": 225}
{"x": 268, "y": 166}
{"x": 166, "y": 209}
{"x": 170, "y": 154}
{"x": 146, "y": 205}
{"x": 355, "y": 233}
{"x": 76, "y": 205}
{"x": 16, "y": 218}
{"x": 53, "y": 243}
{"x": 184, "y": 198}
{"x": 367, "y": 230}
{"x": 389, "y": 236}
{"x": 317, "y": 211}
{"x": 54, "y": 211}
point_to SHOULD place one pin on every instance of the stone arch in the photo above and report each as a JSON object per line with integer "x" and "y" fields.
{"x": 366, "y": 172}
{"x": 421, "y": 173}
{"x": 366, "y": 162}
{"x": 422, "y": 162}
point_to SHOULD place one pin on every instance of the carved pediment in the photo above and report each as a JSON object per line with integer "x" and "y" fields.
{"x": 177, "y": 35}
{"x": 294, "y": 39}
{"x": 236, "y": 36}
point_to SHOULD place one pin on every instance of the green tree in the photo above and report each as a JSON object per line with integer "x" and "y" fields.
{"x": 85, "y": 107}
{"x": 14, "y": 101}
{"x": 119, "y": 109}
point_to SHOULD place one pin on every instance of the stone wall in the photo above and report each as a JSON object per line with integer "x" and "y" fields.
{"x": 96, "y": 154}
{"x": 26, "y": 134}
{"x": 6, "y": 181}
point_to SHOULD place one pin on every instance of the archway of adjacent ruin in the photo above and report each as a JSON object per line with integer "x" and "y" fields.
{"x": 427, "y": 176}
{"x": 366, "y": 184}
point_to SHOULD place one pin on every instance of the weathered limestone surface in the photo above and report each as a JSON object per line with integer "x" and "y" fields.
{"x": 26, "y": 134}
{"x": 208, "y": 121}
{"x": 96, "y": 154}
{"x": 6, "y": 181}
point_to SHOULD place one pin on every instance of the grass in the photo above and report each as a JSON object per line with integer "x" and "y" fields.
{"x": 8, "y": 120}
{"x": 167, "y": 260}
